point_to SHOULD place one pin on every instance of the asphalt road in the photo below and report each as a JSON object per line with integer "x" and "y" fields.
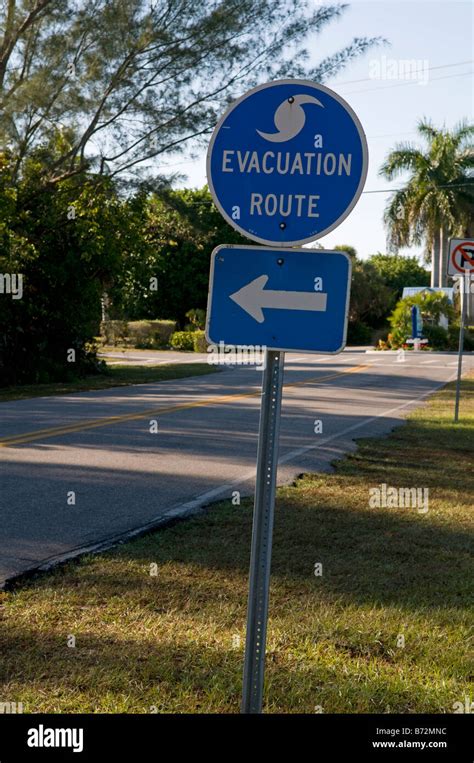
{"x": 151, "y": 357}
{"x": 98, "y": 445}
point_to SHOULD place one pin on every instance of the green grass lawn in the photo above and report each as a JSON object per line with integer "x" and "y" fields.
{"x": 116, "y": 376}
{"x": 174, "y": 642}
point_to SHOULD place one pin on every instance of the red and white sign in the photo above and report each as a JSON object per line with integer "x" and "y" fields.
{"x": 461, "y": 256}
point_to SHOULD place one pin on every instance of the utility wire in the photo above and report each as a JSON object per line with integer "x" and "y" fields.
{"x": 429, "y": 69}
{"x": 403, "y": 84}
{"x": 378, "y": 190}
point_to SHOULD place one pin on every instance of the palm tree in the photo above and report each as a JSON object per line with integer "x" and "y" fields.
{"x": 437, "y": 201}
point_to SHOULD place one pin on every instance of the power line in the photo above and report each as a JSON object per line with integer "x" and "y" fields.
{"x": 378, "y": 190}
{"x": 395, "y": 190}
{"x": 429, "y": 69}
{"x": 403, "y": 84}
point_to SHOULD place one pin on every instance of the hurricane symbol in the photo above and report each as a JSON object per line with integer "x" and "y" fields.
{"x": 289, "y": 118}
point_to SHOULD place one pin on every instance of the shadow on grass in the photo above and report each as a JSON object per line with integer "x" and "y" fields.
{"x": 105, "y": 674}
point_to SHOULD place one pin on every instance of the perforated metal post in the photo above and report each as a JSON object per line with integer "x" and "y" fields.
{"x": 262, "y": 532}
{"x": 464, "y": 297}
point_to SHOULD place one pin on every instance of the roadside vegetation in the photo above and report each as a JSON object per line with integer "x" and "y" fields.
{"x": 433, "y": 307}
{"x": 436, "y": 203}
{"x": 158, "y": 625}
{"x": 112, "y": 376}
{"x": 96, "y": 100}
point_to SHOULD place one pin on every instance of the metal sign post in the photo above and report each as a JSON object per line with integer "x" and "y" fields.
{"x": 262, "y": 533}
{"x": 461, "y": 266}
{"x": 465, "y": 282}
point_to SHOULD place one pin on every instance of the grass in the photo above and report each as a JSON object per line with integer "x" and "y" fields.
{"x": 173, "y": 642}
{"x": 123, "y": 348}
{"x": 116, "y": 376}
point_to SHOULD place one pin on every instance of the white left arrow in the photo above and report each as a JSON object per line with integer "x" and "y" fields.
{"x": 253, "y": 297}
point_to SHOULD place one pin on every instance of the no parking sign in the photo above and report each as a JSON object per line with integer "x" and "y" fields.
{"x": 461, "y": 256}
{"x": 461, "y": 267}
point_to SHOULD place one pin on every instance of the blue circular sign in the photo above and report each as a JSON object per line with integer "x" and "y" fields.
{"x": 287, "y": 162}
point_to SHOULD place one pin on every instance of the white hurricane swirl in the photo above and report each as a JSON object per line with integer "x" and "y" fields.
{"x": 289, "y": 119}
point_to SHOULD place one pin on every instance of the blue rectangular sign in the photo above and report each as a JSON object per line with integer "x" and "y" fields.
{"x": 284, "y": 299}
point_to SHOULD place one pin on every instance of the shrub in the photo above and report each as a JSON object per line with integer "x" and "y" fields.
{"x": 469, "y": 340}
{"x": 199, "y": 341}
{"x": 397, "y": 338}
{"x": 183, "y": 340}
{"x": 114, "y": 332}
{"x": 151, "y": 334}
{"x": 359, "y": 333}
{"x": 197, "y": 319}
{"x": 64, "y": 266}
{"x": 432, "y": 306}
{"x": 145, "y": 335}
{"x": 437, "y": 336}
{"x": 379, "y": 335}
{"x": 454, "y": 338}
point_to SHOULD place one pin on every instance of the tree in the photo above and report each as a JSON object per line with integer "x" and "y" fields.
{"x": 181, "y": 229}
{"x": 67, "y": 242}
{"x": 370, "y": 296}
{"x": 438, "y": 199}
{"x": 350, "y": 250}
{"x": 397, "y": 272}
{"x": 125, "y": 81}
{"x": 93, "y": 93}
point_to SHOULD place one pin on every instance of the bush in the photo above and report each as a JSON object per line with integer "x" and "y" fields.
{"x": 114, "y": 332}
{"x": 197, "y": 319}
{"x": 64, "y": 266}
{"x": 183, "y": 340}
{"x": 437, "y": 336}
{"x": 359, "y": 333}
{"x": 199, "y": 341}
{"x": 151, "y": 334}
{"x": 469, "y": 340}
{"x": 454, "y": 338}
{"x": 144, "y": 335}
{"x": 432, "y": 306}
{"x": 379, "y": 335}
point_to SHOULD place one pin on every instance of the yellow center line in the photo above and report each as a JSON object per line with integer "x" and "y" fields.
{"x": 40, "y": 434}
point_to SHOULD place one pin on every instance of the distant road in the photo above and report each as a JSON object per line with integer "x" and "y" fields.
{"x": 151, "y": 357}
{"x": 98, "y": 445}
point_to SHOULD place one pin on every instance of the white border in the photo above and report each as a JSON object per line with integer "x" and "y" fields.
{"x": 453, "y": 269}
{"x": 365, "y": 161}
{"x": 267, "y": 249}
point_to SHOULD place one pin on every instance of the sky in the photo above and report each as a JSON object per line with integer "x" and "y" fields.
{"x": 439, "y": 36}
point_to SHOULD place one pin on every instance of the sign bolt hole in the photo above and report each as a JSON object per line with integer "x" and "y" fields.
{"x": 282, "y": 226}
{"x": 280, "y": 261}
{"x": 291, "y": 99}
